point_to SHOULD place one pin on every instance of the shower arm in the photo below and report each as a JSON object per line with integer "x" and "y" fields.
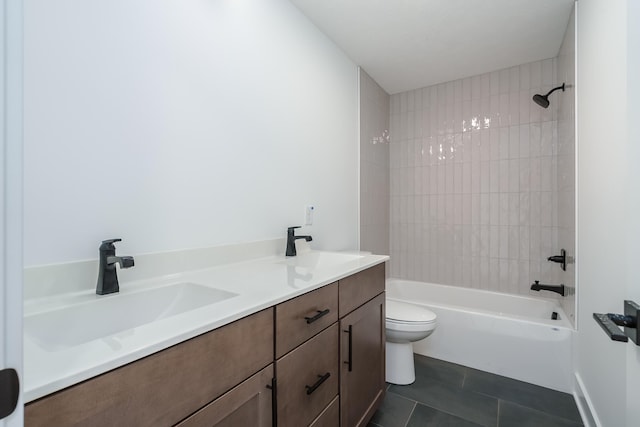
{"x": 555, "y": 89}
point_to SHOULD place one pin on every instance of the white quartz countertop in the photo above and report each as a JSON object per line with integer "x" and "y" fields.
{"x": 259, "y": 283}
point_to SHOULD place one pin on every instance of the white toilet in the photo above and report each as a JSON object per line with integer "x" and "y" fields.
{"x": 405, "y": 323}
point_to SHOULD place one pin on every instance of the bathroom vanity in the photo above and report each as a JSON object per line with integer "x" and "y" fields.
{"x": 342, "y": 364}
{"x": 314, "y": 359}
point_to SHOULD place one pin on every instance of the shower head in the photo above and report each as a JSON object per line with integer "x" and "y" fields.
{"x": 543, "y": 100}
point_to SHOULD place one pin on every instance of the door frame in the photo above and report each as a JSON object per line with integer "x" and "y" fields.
{"x": 633, "y": 243}
{"x": 11, "y": 124}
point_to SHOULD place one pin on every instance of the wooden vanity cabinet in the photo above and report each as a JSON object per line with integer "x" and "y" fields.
{"x": 307, "y": 353}
{"x": 362, "y": 345}
{"x": 347, "y": 343}
{"x": 317, "y": 360}
{"x": 166, "y": 387}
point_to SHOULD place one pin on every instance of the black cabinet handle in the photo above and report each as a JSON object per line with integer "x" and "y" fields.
{"x": 274, "y": 401}
{"x": 319, "y": 314}
{"x": 350, "y": 348}
{"x": 321, "y": 379}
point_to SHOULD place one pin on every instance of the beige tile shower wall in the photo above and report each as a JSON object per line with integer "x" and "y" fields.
{"x": 374, "y": 166}
{"x": 566, "y": 160}
{"x": 474, "y": 197}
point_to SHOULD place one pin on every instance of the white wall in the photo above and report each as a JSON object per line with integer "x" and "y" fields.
{"x": 183, "y": 124}
{"x": 603, "y": 188}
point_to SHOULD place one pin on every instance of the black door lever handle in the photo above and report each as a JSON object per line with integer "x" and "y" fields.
{"x": 609, "y": 327}
{"x": 9, "y": 391}
{"x": 629, "y": 320}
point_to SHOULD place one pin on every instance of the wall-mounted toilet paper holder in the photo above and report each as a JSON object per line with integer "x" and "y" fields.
{"x": 629, "y": 320}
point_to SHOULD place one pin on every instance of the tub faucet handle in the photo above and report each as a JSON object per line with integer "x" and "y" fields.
{"x": 560, "y": 259}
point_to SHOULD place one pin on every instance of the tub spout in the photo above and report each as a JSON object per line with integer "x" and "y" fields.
{"x": 537, "y": 286}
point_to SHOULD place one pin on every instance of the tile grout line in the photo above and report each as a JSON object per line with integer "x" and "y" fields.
{"x": 415, "y": 404}
{"x": 403, "y": 397}
{"x": 444, "y": 411}
{"x": 519, "y": 403}
{"x": 481, "y": 392}
{"x": 545, "y": 413}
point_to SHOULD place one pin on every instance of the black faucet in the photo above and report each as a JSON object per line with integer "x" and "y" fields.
{"x": 107, "y": 277}
{"x": 537, "y": 286}
{"x": 291, "y": 241}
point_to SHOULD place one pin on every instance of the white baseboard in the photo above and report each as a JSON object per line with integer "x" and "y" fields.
{"x": 584, "y": 403}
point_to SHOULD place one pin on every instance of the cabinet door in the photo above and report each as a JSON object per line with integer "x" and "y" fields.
{"x": 362, "y": 363}
{"x": 248, "y": 404}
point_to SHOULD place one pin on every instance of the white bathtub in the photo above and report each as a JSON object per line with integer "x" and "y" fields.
{"x": 508, "y": 335}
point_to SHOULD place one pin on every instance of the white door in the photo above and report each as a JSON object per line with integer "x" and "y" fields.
{"x": 633, "y": 275}
{"x": 608, "y": 232}
{"x": 11, "y": 211}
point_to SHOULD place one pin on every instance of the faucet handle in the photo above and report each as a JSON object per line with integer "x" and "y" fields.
{"x": 108, "y": 244}
{"x": 292, "y": 230}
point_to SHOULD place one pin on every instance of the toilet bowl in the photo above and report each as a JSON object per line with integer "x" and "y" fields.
{"x": 405, "y": 323}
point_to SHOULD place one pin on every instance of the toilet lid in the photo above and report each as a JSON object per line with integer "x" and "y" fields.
{"x": 405, "y": 312}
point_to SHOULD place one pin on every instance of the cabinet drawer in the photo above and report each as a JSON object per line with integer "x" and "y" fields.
{"x": 308, "y": 379}
{"x": 299, "y": 319}
{"x": 330, "y": 417}
{"x": 359, "y": 288}
{"x": 248, "y": 404}
{"x": 165, "y": 387}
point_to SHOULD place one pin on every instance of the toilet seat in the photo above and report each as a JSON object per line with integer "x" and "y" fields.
{"x": 405, "y": 313}
{"x": 405, "y": 317}
{"x": 409, "y": 326}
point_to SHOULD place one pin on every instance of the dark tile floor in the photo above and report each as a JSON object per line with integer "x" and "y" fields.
{"x": 449, "y": 395}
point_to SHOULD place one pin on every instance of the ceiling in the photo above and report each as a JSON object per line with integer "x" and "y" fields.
{"x": 408, "y": 44}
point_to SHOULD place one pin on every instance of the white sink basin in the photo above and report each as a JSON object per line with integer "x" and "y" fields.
{"x": 318, "y": 260}
{"x": 107, "y": 315}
